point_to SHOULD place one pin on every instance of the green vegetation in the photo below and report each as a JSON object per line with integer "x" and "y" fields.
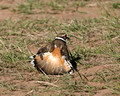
{"x": 96, "y": 41}
{"x": 116, "y": 5}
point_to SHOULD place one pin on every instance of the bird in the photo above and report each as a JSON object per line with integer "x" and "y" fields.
{"x": 54, "y": 59}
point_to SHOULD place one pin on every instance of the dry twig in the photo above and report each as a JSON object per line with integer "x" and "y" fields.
{"x": 47, "y": 83}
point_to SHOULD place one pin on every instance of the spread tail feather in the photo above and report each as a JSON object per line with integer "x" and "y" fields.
{"x": 33, "y": 61}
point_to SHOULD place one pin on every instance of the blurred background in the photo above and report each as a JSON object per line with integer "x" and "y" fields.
{"x": 94, "y": 30}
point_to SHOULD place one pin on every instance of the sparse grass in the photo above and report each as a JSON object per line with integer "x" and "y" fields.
{"x": 78, "y": 4}
{"x": 95, "y": 41}
{"x": 116, "y": 5}
{"x": 50, "y": 7}
{"x": 55, "y": 5}
{"x": 30, "y": 6}
{"x": 3, "y": 7}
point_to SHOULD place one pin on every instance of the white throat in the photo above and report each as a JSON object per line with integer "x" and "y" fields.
{"x": 60, "y": 39}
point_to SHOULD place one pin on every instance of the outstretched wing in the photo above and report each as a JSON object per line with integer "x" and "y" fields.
{"x": 53, "y": 58}
{"x": 48, "y": 48}
{"x": 65, "y": 54}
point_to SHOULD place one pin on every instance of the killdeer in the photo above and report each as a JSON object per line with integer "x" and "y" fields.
{"x": 54, "y": 58}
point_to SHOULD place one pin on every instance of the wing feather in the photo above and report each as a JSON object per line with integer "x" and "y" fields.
{"x": 45, "y": 61}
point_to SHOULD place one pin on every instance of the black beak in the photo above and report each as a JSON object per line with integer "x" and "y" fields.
{"x": 68, "y": 38}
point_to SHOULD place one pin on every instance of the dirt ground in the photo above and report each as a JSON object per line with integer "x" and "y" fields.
{"x": 25, "y": 83}
{"x": 90, "y": 11}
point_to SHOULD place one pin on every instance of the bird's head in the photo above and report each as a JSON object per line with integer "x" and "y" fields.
{"x": 62, "y": 36}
